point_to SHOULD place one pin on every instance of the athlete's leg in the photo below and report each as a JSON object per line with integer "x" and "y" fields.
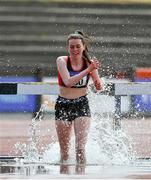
{"x": 81, "y": 129}
{"x": 64, "y": 130}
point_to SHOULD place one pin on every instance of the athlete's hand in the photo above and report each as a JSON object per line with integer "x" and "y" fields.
{"x": 94, "y": 65}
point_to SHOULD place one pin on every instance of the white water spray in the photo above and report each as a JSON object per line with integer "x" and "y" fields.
{"x": 30, "y": 151}
{"x": 105, "y": 146}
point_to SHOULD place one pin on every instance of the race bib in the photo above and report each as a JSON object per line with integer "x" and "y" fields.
{"x": 82, "y": 82}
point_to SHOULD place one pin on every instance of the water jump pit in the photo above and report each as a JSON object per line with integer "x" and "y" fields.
{"x": 11, "y": 169}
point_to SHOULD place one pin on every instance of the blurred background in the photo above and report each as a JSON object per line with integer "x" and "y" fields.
{"x": 33, "y": 34}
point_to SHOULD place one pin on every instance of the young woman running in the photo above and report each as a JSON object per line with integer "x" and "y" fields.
{"x": 72, "y": 106}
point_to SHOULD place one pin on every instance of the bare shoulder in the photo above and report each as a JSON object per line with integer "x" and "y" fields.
{"x": 61, "y": 59}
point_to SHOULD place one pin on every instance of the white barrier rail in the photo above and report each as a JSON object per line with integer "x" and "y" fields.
{"x": 39, "y": 88}
{"x": 29, "y": 88}
{"x": 133, "y": 88}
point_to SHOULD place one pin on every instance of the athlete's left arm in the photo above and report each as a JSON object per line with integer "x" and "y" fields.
{"x": 96, "y": 80}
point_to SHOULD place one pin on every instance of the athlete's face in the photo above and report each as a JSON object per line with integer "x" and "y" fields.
{"x": 76, "y": 48}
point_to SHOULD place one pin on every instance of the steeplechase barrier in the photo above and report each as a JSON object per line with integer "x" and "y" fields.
{"x": 51, "y": 88}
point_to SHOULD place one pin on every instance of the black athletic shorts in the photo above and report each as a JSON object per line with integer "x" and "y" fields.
{"x": 69, "y": 109}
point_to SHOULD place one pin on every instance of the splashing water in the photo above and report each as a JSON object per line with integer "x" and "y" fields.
{"x": 113, "y": 147}
{"x": 105, "y": 146}
{"x": 30, "y": 151}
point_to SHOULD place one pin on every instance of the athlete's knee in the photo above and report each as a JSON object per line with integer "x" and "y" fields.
{"x": 80, "y": 156}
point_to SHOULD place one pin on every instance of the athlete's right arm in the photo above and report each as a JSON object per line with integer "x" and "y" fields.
{"x": 68, "y": 80}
